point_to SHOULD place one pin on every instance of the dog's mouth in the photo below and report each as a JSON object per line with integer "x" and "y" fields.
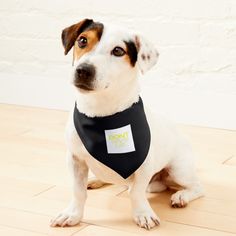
{"x": 83, "y": 86}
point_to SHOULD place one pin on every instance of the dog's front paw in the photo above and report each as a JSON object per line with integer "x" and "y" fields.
{"x": 146, "y": 219}
{"x": 68, "y": 217}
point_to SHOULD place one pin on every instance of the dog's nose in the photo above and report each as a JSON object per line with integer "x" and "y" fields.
{"x": 85, "y": 72}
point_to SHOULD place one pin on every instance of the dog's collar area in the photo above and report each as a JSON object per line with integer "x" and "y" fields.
{"x": 117, "y": 115}
{"x": 120, "y": 141}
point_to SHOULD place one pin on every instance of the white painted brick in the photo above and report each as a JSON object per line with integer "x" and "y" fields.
{"x": 221, "y": 34}
{"x": 178, "y": 59}
{"x": 9, "y": 5}
{"x": 30, "y": 26}
{"x": 59, "y": 70}
{"x": 5, "y": 66}
{"x": 214, "y": 82}
{"x": 213, "y": 60}
{"x": 32, "y": 50}
{"x": 182, "y": 8}
{"x": 125, "y": 8}
{"x": 170, "y": 33}
{"x": 27, "y": 68}
{"x": 232, "y": 8}
{"x": 47, "y": 7}
{"x": 193, "y": 9}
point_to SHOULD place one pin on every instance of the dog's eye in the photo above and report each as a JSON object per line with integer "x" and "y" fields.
{"x": 82, "y": 42}
{"x": 118, "y": 52}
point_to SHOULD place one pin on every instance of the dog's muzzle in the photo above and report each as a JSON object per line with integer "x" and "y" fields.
{"x": 84, "y": 76}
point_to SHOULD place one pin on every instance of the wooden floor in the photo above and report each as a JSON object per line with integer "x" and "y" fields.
{"x": 35, "y": 184}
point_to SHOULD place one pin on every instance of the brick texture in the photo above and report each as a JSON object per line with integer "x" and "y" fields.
{"x": 196, "y": 39}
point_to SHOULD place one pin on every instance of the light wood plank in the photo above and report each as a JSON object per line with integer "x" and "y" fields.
{"x": 12, "y": 187}
{"x": 203, "y": 208}
{"x": 42, "y": 175}
{"x": 231, "y": 161}
{"x": 122, "y": 220}
{"x": 96, "y": 230}
{"x": 8, "y": 231}
{"x": 166, "y": 229}
{"x": 62, "y": 193}
{"x": 33, "y": 222}
{"x": 211, "y": 145}
{"x": 207, "y": 212}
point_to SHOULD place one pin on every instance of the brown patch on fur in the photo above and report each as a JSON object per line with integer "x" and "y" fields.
{"x": 70, "y": 34}
{"x": 131, "y": 55}
{"x": 92, "y": 39}
{"x": 160, "y": 176}
{"x": 164, "y": 177}
{"x": 127, "y": 59}
{"x": 143, "y": 57}
{"x": 148, "y": 57}
{"x": 137, "y": 43}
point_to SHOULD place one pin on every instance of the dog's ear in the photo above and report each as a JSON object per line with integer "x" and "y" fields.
{"x": 70, "y": 34}
{"x": 147, "y": 54}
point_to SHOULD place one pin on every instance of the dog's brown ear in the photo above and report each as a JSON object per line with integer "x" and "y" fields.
{"x": 70, "y": 34}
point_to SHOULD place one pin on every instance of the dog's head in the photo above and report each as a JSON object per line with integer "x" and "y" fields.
{"x": 105, "y": 56}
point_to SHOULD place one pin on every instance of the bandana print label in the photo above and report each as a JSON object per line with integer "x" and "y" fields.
{"x": 119, "y": 140}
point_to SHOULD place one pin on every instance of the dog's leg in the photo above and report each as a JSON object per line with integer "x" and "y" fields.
{"x": 157, "y": 185}
{"x": 183, "y": 173}
{"x": 94, "y": 183}
{"x": 143, "y": 214}
{"x": 74, "y": 212}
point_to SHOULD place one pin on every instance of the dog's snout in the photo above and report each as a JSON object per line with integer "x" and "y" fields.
{"x": 85, "y": 72}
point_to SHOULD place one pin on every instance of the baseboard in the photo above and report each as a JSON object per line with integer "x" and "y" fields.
{"x": 207, "y": 109}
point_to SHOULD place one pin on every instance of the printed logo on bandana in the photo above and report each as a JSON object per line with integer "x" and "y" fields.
{"x": 120, "y": 140}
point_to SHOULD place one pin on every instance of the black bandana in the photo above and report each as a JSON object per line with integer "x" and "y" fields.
{"x": 120, "y": 141}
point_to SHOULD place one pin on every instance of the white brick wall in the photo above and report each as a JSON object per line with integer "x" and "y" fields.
{"x": 196, "y": 40}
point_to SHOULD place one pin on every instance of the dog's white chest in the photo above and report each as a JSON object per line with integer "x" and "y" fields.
{"x": 100, "y": 170}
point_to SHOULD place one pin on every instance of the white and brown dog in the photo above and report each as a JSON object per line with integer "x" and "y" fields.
{"x": 107, "y": 61}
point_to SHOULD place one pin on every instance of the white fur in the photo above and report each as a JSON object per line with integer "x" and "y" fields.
{"x": 117, "y": 88}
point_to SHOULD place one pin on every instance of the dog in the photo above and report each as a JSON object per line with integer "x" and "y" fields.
{"x": 107, "y": 61}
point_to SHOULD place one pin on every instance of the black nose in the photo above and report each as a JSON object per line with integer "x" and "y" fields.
{"x": 85, "y": 72}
